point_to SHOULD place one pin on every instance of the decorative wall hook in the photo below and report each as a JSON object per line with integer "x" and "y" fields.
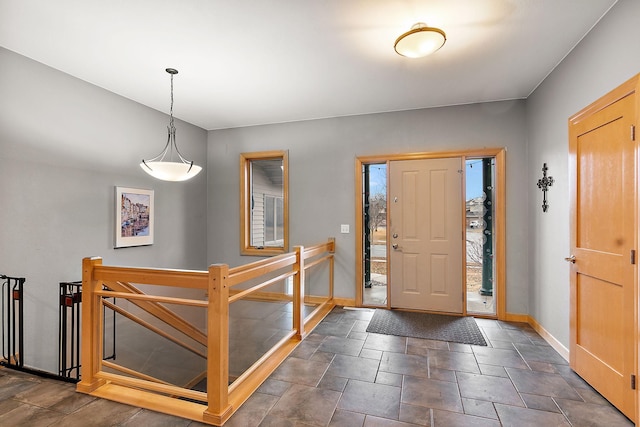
{"x": 544, "y": 183}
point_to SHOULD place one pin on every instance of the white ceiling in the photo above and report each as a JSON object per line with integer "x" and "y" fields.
{"x": 249, "y": 62}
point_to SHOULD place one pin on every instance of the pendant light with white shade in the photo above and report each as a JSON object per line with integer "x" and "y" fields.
{"x": 170, "y": 164}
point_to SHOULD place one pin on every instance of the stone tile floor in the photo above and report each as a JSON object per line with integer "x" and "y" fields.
{"x": 340, "y": 375}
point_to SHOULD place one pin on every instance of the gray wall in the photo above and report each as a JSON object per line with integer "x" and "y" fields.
{"x": 64, "y": 145}
{"x": 606, "y": 58}
{"x": 322, "y": 185}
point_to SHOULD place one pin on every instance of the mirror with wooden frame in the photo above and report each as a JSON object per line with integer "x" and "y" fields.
{"x": 264, "y": 203}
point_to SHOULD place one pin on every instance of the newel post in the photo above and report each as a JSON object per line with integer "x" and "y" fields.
{"x": 298, "y": 293}
{"x": 91, "y": 341}
{"x": 218, "y": 346}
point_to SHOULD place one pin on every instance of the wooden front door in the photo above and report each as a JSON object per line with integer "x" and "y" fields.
{"x": 425, "y": 212}
{"x": 602, "y": 171}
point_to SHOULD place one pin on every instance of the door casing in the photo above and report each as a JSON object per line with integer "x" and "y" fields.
{"x": 500, "y": 216}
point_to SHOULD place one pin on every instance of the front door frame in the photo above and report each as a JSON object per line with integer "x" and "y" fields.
{"x": 500, "y": 213}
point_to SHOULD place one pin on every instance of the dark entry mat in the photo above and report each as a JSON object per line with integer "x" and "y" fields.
{"x": 439, "y": 327}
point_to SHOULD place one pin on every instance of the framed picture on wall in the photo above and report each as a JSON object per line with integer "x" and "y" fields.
{"x": 134, "y": 217}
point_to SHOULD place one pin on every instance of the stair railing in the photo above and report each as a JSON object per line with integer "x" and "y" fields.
{"x": 220, "y": 400}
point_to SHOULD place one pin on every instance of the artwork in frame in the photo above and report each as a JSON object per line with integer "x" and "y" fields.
{"x": 134, "y": 217}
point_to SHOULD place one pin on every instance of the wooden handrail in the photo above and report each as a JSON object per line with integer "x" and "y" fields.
{"x": 318, "y": 261}
{"x": 248, "y": 272}
{"x": 320, "y": 248}
{"x": 245, "y": 292}
{"x": 148, "y": 276}
{"x": 161, "y": 312}
{"x": 151, "y": 298}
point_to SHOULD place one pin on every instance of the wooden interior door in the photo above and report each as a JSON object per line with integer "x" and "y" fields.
{"x": 425, "y": 213}
{"x": 602, "y": 154}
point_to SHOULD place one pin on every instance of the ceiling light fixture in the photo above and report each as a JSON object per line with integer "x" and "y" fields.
{"x": 420, "y": 41}
{"x": 169, "y": 170}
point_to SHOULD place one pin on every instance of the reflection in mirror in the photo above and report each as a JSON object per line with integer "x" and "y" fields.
{"x": 267, "y": 203}
{"x": 264, "y": 203}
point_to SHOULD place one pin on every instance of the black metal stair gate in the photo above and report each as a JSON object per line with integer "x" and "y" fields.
{"x": 12, "y": 321}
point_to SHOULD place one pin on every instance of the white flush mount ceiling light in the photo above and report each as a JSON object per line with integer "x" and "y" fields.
{"x": 420, "y": 41}
{"x": 163, "y": 165}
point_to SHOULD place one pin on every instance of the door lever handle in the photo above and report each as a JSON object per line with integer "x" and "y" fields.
{"x": 571, "y": 259}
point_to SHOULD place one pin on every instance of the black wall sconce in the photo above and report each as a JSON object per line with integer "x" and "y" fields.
{"x": 544, "y": 183}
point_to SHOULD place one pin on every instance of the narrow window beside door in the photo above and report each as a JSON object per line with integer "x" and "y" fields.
{"x": 480, "y": 234}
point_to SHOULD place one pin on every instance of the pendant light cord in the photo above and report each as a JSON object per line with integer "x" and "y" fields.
{"x": 171, "y": 108}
